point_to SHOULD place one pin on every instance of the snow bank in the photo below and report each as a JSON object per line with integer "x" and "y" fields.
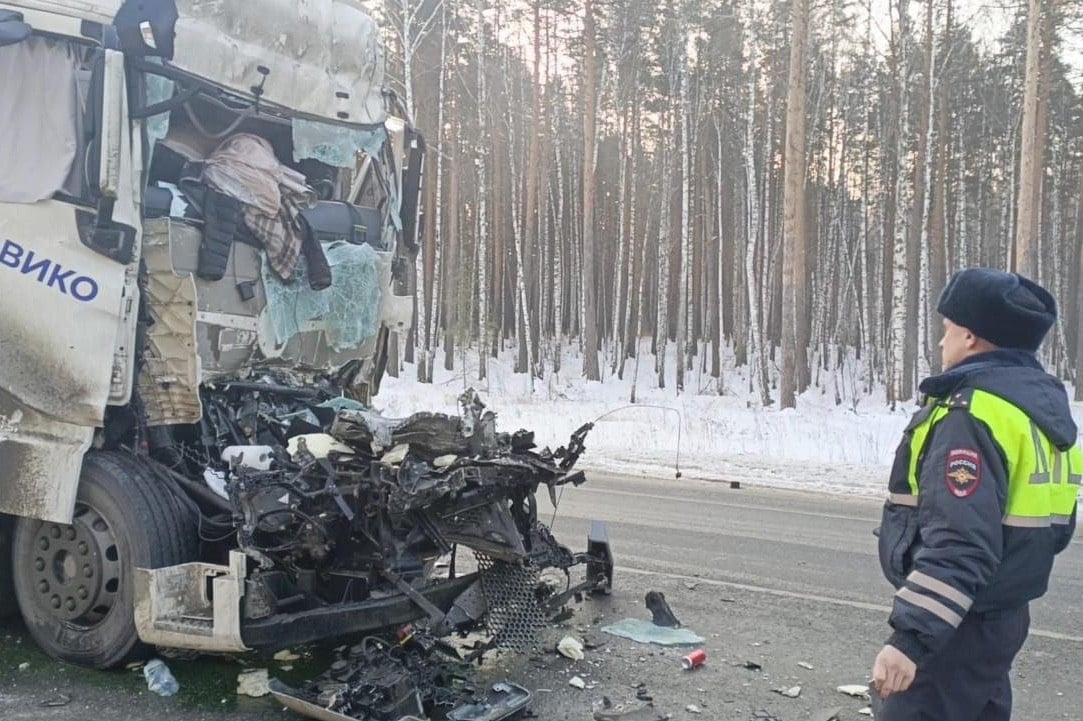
{"x": 817, "y": 446}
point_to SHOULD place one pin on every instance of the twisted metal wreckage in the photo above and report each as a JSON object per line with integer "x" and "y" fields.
{"x": 346, "y": 514}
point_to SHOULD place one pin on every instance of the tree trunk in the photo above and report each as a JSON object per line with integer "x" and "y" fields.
{"x": 718, "y": 296}
{"x": 559, "y": 262}
{"x": 1041, "y": 139}
{"x": 590, "y": 298}
{"x": 757, "y": 354}
{"x": 636, "y": 262}
{"x": 938, "y": 241}
{"x": 1025, "y": 259}
{"x": 1076, "y": 315}
{"x": 923, "y": 203}
{"x": 482, "y": 220}
{"x": 453, "y": 253}
{"x": 686, "y": 239}
{"x": 904, "y": 178}
{"x": 532, "y": 201}
{"x": 793, "y": 254}
{"x": 523, "y": 314}
{"x": 662, "y": 256}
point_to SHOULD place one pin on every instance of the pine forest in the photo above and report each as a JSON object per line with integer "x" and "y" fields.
{"x": 777, "y": 186}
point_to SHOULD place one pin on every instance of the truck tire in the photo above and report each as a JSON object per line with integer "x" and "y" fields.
{"x": 74, "y": 583}
{"x": 8, "y": 607}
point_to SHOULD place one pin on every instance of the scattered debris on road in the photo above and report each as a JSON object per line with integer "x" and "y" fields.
{"x": 806, "y": 665}
{"x": 694, "y": 660}
{"x": 253, "y": 683}
{"x": 56, "y": 701}
{"x": 855, "y": 690}
{"x": 605, "y": 710}
{"x": 382, "y": 680}
{"x": 791, "y": 692}
{"x": 643, "y": 631}
{"x": 661, "y": 613}
{"x": 571, "y": 647}
{"x": 159, "y": 678}
{"x": 502, "y": 701}
{"x": 577, "y": 682}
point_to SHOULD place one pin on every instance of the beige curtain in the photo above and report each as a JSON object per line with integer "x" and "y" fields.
{"x": 43, "y": 88}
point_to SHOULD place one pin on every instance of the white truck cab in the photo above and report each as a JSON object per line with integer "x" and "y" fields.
{"x": 202, "y": 205}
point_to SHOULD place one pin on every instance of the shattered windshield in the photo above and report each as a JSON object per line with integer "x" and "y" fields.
{"x": 365, "y": 152}
{"x": 336, "y": 145}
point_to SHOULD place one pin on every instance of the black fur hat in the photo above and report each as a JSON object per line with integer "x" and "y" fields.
{"x": 1006, "y": 309}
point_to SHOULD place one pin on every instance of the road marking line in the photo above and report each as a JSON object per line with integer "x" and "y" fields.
{"x": 723, "y": 504}
{"x": 1078, "y": 540}
{"x": 809, "y": 597}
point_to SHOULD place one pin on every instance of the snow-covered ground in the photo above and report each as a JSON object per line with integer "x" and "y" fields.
{"x": 817, "y": 446}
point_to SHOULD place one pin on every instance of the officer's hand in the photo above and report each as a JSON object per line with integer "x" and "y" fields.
{"x": 892, "y": 672}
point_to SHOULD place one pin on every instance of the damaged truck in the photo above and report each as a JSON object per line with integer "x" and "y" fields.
{"x": 209, "y": 212}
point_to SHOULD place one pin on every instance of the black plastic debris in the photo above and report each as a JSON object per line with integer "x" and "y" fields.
{"x": 56, "y": 701}
{"x": 662, "y": 614}
{"x": 504, "y": 700}
{"x": 764, "y": 716}
{"x": 632, "y": 711}
{"x": 380, "y": 679}
{"x": 402, "y": 701}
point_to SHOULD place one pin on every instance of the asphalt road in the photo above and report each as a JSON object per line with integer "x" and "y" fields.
{"x": 780, "y": 543}
{"x": 781, "y": 576}
{"x": 788, "y": 581}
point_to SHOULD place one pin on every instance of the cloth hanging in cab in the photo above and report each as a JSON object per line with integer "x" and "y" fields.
{"x": 244, "y": 167}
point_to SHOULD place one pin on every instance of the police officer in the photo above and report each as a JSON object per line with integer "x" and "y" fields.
{"x": 982, "y": 495}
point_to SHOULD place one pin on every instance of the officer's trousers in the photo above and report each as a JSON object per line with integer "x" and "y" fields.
{"x": 968, "y": 679}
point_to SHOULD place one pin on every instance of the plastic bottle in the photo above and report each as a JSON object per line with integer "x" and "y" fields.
{"x": 159, "y": 679}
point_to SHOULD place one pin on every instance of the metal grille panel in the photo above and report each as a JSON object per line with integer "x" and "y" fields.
{"x": 514, "y": 616}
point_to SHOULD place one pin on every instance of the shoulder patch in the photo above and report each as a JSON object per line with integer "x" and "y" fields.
{"x": 963, "y": 472}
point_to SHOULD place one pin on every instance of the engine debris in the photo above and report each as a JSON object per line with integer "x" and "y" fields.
{"x": 354, "y": 523}
{"x": 381, "y": 680}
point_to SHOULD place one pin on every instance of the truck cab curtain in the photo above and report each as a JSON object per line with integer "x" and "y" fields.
{"x": 43, "y": 92}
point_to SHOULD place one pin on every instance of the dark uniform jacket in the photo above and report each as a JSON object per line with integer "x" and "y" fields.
{"x": 949, "y": 551}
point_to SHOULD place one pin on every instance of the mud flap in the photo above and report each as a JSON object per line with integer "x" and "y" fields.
{"x": 194, "y": 605}
{"x": 599, "y": 558}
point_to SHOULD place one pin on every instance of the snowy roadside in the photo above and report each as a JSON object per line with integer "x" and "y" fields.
{"x": 818, "y": 446}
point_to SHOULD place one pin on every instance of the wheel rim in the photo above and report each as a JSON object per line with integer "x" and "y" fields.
{"x": 75, "y": 573}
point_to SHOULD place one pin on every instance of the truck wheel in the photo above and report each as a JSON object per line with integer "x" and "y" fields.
{"x": 74, "y": 582}
{"x": 8, "y": 607}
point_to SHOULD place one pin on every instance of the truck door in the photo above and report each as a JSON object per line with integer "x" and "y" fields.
{"x": 69, "y": 259}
